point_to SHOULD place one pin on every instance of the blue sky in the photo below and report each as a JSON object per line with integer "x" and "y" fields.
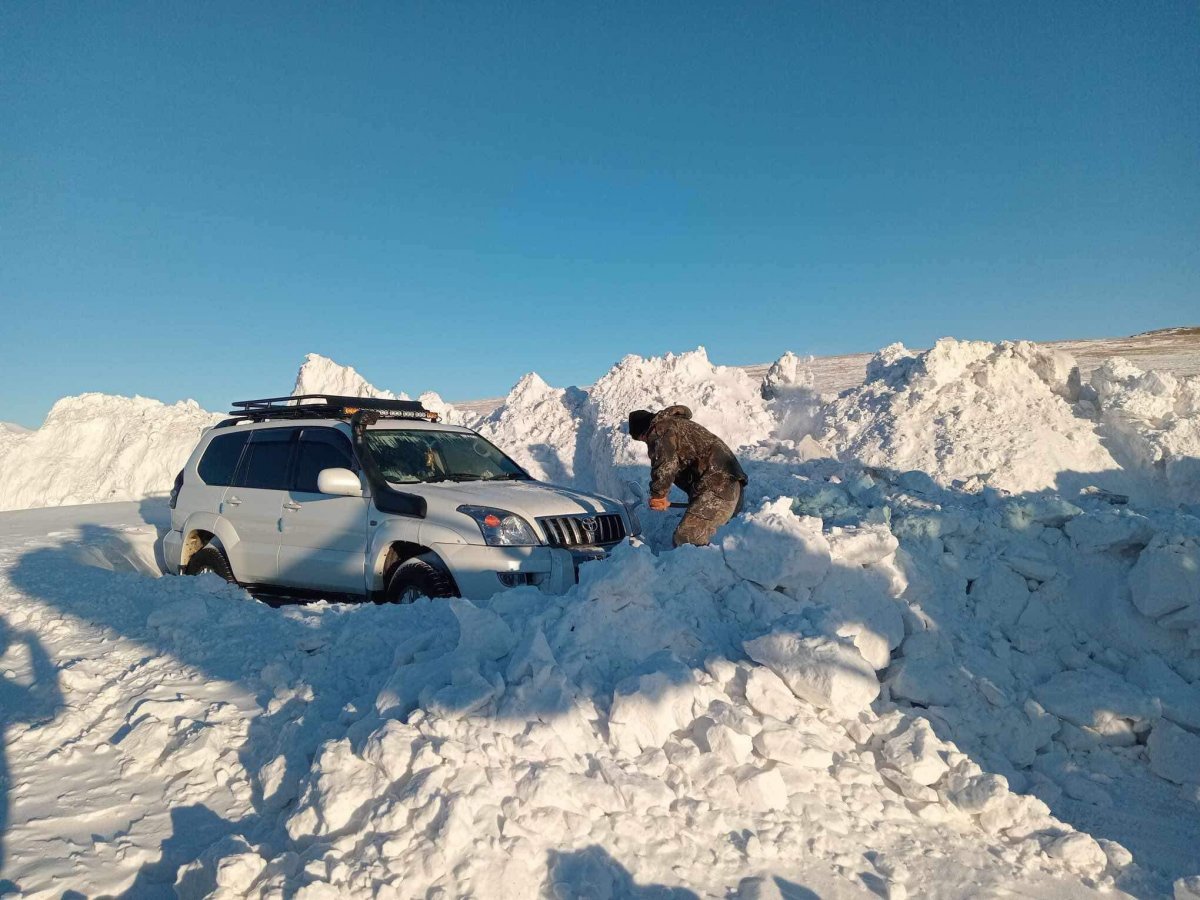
{"x": 193, "y": 196}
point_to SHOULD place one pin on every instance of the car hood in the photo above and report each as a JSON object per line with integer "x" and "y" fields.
{"x": 529, "y": 499}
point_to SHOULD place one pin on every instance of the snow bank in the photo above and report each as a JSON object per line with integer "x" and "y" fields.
{"x": 968, "y": 409}
{"x": 96, "y": 448}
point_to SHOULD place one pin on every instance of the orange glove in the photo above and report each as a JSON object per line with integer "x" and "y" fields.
{"x": 659, "y": 503}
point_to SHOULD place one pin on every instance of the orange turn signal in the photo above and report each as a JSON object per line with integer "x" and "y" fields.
{"x": 491, "y": 521}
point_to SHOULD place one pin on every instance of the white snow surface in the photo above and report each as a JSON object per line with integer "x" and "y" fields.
{"x": 96, "y": 448}
{"x": 927, "y": 660}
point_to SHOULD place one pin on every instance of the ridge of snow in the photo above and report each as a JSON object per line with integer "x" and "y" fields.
{"x": 321, "y": 375}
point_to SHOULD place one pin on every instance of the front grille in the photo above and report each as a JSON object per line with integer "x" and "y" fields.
{"x": 582, "y": 531}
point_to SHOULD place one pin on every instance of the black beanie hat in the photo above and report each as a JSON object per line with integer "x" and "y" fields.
{"x": 639, "y": 422}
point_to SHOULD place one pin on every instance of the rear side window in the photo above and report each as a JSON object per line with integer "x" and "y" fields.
{"x": 267, "y": 456}
{"x": 220, "y": 460}
{"x": 319, "y": 448}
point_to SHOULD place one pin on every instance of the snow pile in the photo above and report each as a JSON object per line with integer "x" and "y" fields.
{"x": 725, "y": 400}
{"x": 95, "y": 448}
{"x": 538, "y": 426}
{"x": 999, "y": 412}
{"x": 321, "y": 375}
{"x": 975, "y": 674}
{"x": 1151, "y": 421}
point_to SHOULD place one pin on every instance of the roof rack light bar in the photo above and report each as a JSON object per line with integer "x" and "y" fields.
{"x": 327, "y": 406}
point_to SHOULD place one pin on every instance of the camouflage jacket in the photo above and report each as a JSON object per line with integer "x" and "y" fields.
{"x": 689, "y": 456}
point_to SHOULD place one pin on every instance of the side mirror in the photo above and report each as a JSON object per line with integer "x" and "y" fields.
{"x": 339, "y": 482}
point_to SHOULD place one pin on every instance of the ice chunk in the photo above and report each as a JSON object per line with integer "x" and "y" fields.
{"x": 827, "y": 673}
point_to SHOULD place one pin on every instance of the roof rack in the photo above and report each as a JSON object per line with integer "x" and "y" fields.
{"x": 325, "y": 406}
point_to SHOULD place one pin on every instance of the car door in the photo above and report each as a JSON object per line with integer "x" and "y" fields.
{"x": 254, "y": 503}
{"x": 323, "y": 541}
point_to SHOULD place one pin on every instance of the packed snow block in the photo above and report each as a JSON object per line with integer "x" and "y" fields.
{"x": 916, "y": 752}
{"x": 718, "y": 738}
{"x": 1000, "y": 594}
{"x": 648, "y": 709}
{"x": 776, "y": 548}
{"x": 768, "y": 695}
{"x": 1166, "y": 577}
{"x": 793, "y": 747}
{"x": 1180, "y": 700}
{"x": 1174, "y": 753}
{"x": 1030, "y": 559}
{"x": 1109, "y": 530}
{"x": 911, "y": 789}
{"x": 1079, "y": 852}
{"x": 861, "y": 546}
{"x": 1096, "y": 699}
{"x": 1049, "y": 511}
{"x": 826, "y": 672}
{"x": 764, "y": 789}
{"x": 976, "y": 794}
{"x": 853, "y": 603}
{"x": 925, "y": 680}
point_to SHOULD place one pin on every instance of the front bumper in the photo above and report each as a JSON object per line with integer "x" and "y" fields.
{"x": 477, "y": 569}
{"x": 172, "y": 546}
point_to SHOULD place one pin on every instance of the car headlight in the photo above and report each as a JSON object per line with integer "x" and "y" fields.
{"x": 501, "y": 528}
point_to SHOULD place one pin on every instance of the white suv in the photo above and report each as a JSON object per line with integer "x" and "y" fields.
{"x": 321, "y": 495}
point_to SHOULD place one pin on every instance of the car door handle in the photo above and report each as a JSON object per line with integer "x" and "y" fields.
{"x": 291, "y": 505}
{"x": 234, "y": 501}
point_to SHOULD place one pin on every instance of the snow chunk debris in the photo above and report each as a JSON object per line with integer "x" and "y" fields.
{"x": 776, "y": 548}
{"x": 828, "y": 673}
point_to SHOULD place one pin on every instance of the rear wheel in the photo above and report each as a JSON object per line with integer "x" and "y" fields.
{"x": 209, "y": 559}
{"x": 421, "y": 576}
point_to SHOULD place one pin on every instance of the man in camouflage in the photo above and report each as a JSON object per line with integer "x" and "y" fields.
{"x": 698, "y": 462}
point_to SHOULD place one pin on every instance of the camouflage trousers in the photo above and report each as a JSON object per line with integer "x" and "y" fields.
{"x": 708, "y": 510}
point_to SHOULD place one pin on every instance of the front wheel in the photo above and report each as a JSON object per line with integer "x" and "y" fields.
{"x": 210, "y": 559}
{"x": 421, "y": 576}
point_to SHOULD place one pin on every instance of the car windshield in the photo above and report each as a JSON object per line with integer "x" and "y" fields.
{"x": 421, "y": 455}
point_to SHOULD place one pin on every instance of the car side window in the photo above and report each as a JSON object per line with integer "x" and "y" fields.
{"x": 319, "y": 448}
{"x": 267, "y": 458}
{"x": 219, "y": 462}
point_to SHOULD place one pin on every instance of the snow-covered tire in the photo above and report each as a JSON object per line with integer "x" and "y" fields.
{"x": 210, "y": 559}
{"x": 421, "y": 576}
